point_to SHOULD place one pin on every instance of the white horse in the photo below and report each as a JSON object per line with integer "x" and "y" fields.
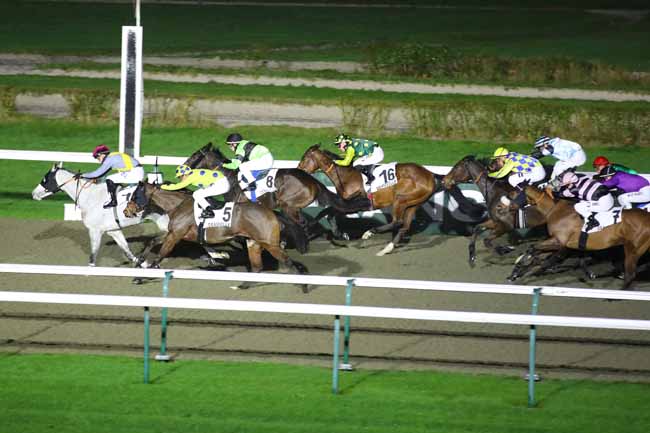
{"x": 89, "y": 197}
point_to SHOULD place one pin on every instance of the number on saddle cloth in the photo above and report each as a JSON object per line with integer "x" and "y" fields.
{"x": 385, "y": 176}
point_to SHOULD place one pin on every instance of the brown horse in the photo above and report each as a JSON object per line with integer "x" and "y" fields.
{"x": 260, "y": 226}
{"x": 565, "y": 225}
{"x": 415, "y": 184}
{"x": 295, "y": 190}
{"x": 502, "y": 218}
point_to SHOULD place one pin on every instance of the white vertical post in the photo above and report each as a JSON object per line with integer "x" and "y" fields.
{"x": 131, "y": 92}
{"x": 137, "y": 13}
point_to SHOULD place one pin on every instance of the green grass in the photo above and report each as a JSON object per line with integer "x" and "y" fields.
{"x": 18, "y": 178}
{"x": 66, "y": 393}
{"x": 74, "y": 28}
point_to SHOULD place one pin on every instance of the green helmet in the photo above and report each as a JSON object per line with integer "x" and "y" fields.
{"x": 342, "y": 138}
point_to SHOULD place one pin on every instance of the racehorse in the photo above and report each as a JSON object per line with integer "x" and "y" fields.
{"x": 502, "y": 217}
{"x": 89, "y": 197}
{"x": 565, "y": 225}
{"x": 295, "y": 190}
{"x": 415, "y": 184}
{"x": 260, "y": 226}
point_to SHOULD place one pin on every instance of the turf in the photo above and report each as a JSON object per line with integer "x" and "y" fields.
{"x": 69, "y": 393}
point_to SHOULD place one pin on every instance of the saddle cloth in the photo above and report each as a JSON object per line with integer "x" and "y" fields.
{"x": 222, "y": 217}
{"x": 263, "y": 185}
{"x": 605, "y": 219}
{"x": 385, "y": 176}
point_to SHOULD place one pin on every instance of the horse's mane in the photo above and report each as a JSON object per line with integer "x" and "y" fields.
{"x": 331, "y": 155}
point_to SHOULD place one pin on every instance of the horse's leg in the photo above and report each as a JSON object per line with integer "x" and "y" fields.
{"x": 120, "y": 240}
{"x": 402, "y": 226}
{"x": 168, "y": 244}
{"x": 282, "y": 257}
{"x": 255, "y": 259}
{"x": 478, "y": 229}
{"x": 631, "y": 260}
{"x": 530, "y": 258}
{"x": 95, "y": 242}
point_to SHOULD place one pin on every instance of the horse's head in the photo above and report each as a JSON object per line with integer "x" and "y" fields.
{"x": 465, "y": 170}
{"x": 137, "y": 202}
{"x": 49, "y": 184}
{"x": 310, "y": 159}
{"x": 197, "y": 159}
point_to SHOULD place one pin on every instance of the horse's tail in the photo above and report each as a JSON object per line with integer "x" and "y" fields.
{"x": 293, "y": 232}
{"x": 467, "y": 206}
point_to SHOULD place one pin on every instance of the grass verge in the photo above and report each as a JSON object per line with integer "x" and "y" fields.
{"x": 70, "y": 393}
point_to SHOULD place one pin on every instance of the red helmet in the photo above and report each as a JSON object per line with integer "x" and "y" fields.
{"x": 600, "y": 160}
{"x": 99, "y": 150}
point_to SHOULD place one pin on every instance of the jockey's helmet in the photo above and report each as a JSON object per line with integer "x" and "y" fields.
{"x": 182, "y": 170}
{"x": 234, "y": 138}
{"x": 569, "y": 178}
{"x": 501, "y": 151}
{"x": 600, "y": 161}
{"x": 607, "y": 171}
{"x": 342, "y": 138}
{"x": 101, "y": 150}
{"x": 542, "y": 141}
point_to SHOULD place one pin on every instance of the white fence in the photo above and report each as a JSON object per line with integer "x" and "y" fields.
{"x": 531, "y": 320}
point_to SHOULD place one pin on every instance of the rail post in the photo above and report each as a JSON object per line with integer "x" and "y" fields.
{"x": 345, "y": 365}
{"x": 146, "y": 344}
{"x": 335, "y": 355}
{"x": 162, "y": 355}
{"x": 532, "y": 377}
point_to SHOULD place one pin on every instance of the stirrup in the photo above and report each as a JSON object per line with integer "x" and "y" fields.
{"x": 207, "y": 213}
{"x": 110, "y": 204}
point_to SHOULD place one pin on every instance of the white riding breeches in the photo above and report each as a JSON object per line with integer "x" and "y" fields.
{"x": 375, "y": 157}
{"x": 585, "y": 208}
{"x": 221, "y": 186}
{"x": 135, "y": 175}
{"x": 576, "y": 160}
{"x": 640, "y": 196}
{"x": 260, "y": 164}
{"x": 537, "y": 174}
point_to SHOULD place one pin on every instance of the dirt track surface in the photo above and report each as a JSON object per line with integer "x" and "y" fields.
{"x": 375, "y": 343}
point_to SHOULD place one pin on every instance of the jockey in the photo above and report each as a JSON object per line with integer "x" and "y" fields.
{"x": 209, "y": 183}
{"x": 601, "y": 162}
{"x": 568, "y": 153}
{"x": 636, "y": 188}
{"x": 251, "y": 159}
{"x": 128, "y": 169}
{"x": 520, "y": 168}
{"x": 594, "y": 196}
{"x": 364, "y": 153}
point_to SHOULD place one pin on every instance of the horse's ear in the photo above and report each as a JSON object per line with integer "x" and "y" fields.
{"x": 208, "y": 146}
{"x": 60, "y": 164}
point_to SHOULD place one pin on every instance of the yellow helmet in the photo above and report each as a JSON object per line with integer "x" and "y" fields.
{"x": 502, "y": 151}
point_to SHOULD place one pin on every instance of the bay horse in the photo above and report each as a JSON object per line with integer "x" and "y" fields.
{"x": 260, "y": 227}
{"x": 565, "y": 225}
{"x": 502, "y": 218}
{"x": 415, "y": 184}
{"x": 89, "y": 197}
{"x": 295, "y": 190}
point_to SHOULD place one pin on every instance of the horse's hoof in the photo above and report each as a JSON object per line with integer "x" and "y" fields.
{"x": 621, "y": 276}
{"x": 92, "y": 265}
{"x": 345, "y": 236}
{"x": 502, "y": 249}
{"x": 367, "y": 235}
{"x": 390, "y": 247}
{"x": 305, "y": 288}
{"x": 136, "y": 281}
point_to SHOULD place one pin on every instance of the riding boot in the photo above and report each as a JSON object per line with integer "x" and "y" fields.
{"x": 251, "y": 186}
{"x": 207, "y": 213}
{"x": 367, "y": 170}
{"x": 592, "y": 222}
{"x": 111, "y": 187}
{"x": 520, "y": 199}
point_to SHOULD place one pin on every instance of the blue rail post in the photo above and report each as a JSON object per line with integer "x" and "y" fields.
{"x": 335, "y": 363}
{"x": 146, "y": 344}
{"x": 162, "y": 355}
{"x": 346, "y": 329}
{"x": 532, "y": 377}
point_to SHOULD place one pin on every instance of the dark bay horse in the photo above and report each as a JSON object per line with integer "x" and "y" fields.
{"x": 565, "y": 224}
{"x": 260, "y": 226}
{"x": 502, "y": 218}
{"x": 295, "y": 190}
{"x": 415, "y": 184}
